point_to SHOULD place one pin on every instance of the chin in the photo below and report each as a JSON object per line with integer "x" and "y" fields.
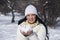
{"x": 31, "y": 22}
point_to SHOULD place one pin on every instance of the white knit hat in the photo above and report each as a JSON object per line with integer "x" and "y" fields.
{"x": 30, "y": 9}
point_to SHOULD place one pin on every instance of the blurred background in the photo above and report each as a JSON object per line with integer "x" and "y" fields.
{"x": 11, "y": 11}
{"x": 49, "y": 10}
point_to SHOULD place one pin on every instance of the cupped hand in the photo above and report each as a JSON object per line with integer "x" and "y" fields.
{"x": 27, "y": 33}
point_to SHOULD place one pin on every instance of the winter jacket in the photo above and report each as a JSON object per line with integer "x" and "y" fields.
{"x": 38, "y": 29}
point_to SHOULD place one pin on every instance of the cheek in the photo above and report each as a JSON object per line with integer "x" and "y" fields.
{"x": 33, "y": 17}
{"x": 28, "y": 18}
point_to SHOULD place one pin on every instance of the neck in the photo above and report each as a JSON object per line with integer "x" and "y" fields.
{"x": 30, "y": 23}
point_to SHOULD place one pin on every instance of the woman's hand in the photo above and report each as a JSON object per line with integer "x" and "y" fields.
{"x": 27, "y": 33}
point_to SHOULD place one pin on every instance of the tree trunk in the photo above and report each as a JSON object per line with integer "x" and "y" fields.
{"x": 13, "y": 16}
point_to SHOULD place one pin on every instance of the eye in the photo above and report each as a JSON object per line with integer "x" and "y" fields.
{"x": 33, "y": 14}
{"x": 28, "y": 15}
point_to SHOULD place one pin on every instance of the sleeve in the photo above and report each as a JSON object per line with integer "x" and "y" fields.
{"x": 41, "y": 32}
{"x": 19, "y": 35}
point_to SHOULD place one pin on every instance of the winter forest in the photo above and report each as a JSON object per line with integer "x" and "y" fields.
{"x": 11, "y": 11}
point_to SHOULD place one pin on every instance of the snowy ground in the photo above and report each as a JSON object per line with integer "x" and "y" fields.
{"x": 8, "y": 29}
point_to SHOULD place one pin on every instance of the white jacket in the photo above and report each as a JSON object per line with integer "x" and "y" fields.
{"x": 39, "y": 29}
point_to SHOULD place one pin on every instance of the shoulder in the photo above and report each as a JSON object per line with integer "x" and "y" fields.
{"x": 23, "y": 23}
{"x": 21, "y": 20}
{"x": 41, "y": 26}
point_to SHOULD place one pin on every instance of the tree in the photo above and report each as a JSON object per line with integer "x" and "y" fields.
{"x": 52, "y": 11}
{"x": 7, "y": 6}
{"x": 3, "y": 7}
{"x": 11, "y": 4}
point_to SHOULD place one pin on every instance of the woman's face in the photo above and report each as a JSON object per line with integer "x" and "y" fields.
{"x": 31, "y": 18}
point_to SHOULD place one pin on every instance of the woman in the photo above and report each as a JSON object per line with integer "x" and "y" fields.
{"x": 31, "y": 27}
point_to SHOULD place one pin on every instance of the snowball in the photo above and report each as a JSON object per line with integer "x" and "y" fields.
{"x": 26, "y": 28}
